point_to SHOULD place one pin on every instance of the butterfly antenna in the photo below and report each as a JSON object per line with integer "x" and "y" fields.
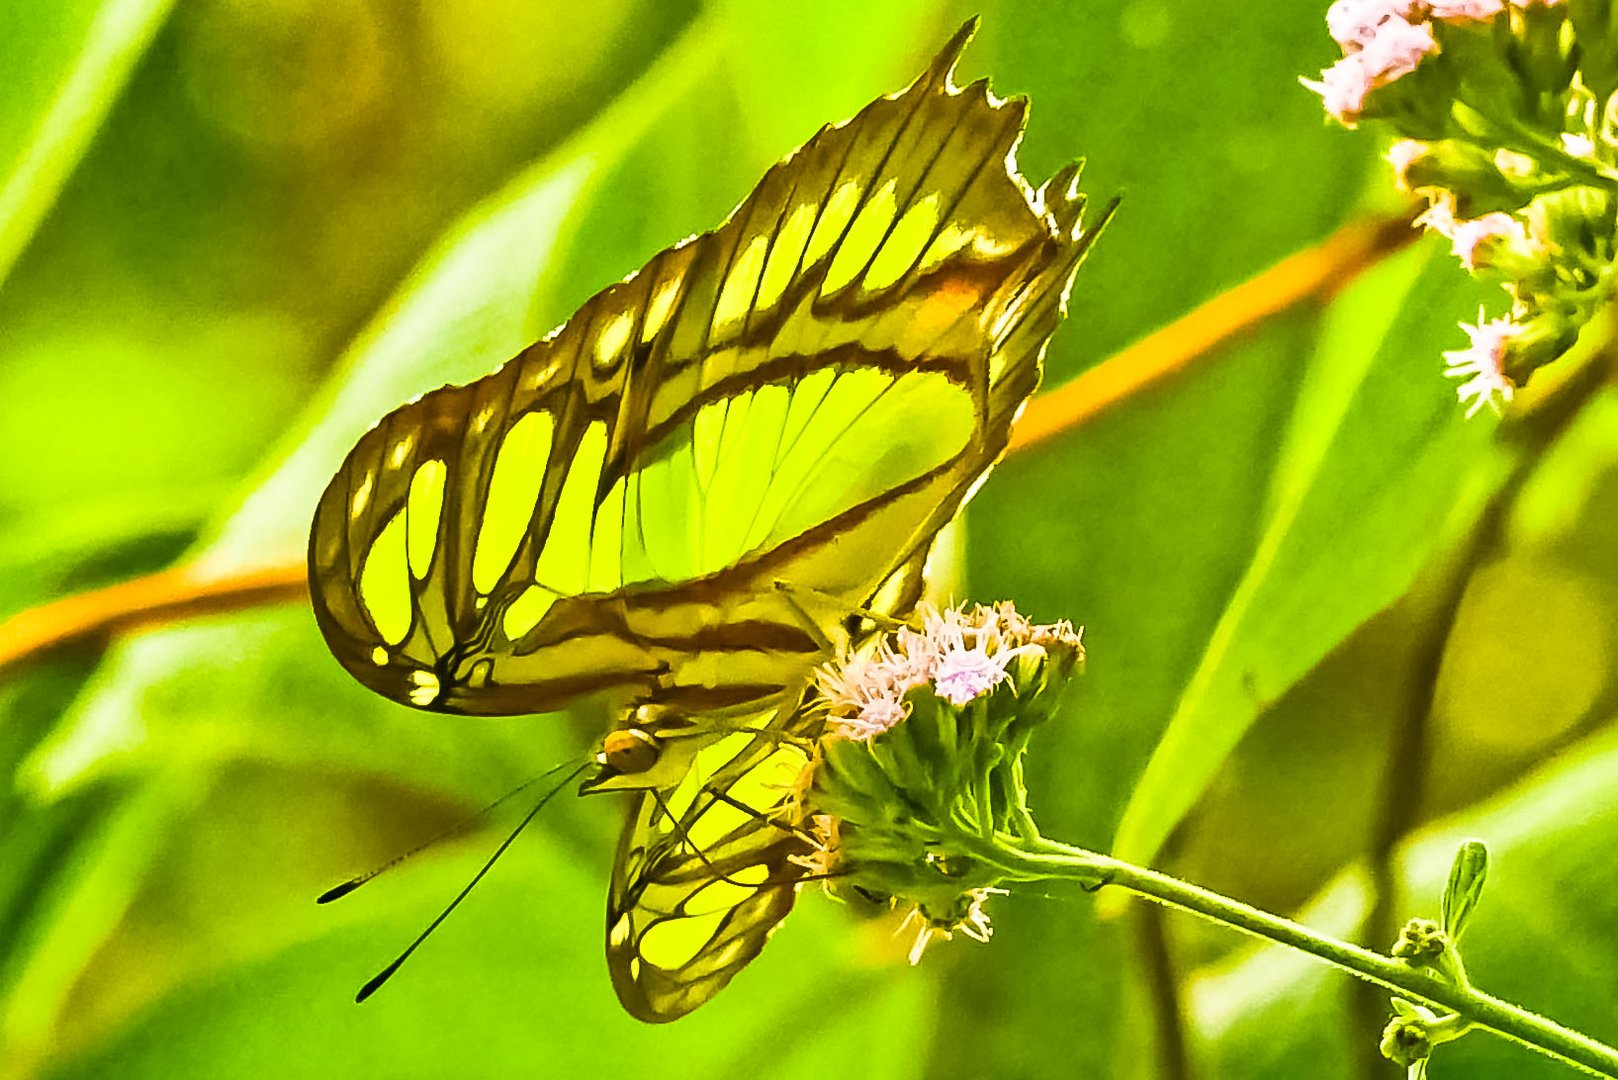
{"x": 386, "y": 973}
{"x": 340, "y": 891}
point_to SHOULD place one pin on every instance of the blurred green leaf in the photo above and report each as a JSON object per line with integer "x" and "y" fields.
{"x": 1552, "y": 904}
{"x": 66, "y": 63}
{"x": 267, "y": 175}
{"x": 1368, "y": 484}
{"x": 810, "y": 1005}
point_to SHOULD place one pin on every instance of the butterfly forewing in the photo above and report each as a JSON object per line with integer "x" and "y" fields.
{"x": 936, "y": 258}
{"x": 805, "y": 395}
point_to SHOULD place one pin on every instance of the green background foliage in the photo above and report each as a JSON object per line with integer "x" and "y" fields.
{"x": 233, "y": 234}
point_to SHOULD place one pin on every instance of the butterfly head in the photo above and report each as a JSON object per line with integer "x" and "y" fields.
{"x": 628, "y": 751}
{"x": 650, "y": 747}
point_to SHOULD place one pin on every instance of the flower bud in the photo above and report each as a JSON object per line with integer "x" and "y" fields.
{"x": 1410, "y": 1036}
{"x": 1465, "y": 886}
{"x": 1474, "y": 179}
{"x": 1598, "y": 64}
{"x": 1405, "y": 1041}
{"x": 1421, "y": 942}
{"x": 1546, "y": 60}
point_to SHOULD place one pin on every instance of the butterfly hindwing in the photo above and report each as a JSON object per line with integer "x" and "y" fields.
{"x": 707, "y": 868}
{"x": 805, "y": 395}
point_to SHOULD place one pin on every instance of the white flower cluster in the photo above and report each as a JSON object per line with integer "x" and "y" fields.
{"x": 1505, "y": 183}
{"x": 963, "y": 654}
{"x": 1482, "y": 364}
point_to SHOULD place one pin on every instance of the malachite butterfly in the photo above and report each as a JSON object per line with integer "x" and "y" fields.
{"x": 677, "y": 499}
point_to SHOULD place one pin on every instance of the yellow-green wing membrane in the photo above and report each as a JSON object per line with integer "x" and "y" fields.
{"x": 707, "y": 868}
{"x": 805, "y": 395}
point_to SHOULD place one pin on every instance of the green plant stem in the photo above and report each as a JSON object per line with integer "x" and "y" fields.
{"x": 1052, "y": 861}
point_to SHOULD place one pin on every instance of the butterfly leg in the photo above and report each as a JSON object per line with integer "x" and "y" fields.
{"x": 795, "y": 594}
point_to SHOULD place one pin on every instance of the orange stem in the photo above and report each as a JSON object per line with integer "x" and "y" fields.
{"x": 1311, "y": 275}
{"x": 163, "y": 597}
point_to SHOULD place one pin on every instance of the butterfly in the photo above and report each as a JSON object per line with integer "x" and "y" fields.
{"x": 715, "y": 475}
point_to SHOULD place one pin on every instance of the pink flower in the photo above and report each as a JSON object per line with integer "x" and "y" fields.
{"x": 972, "y": 651}
{"x": 1353, "y": 23}
{"x": 1396, "y": 50}
{"x": 967, "y": 673}
{"x": 1392, "y": 51}
{"x": 866, "y": 693}
{"x": 964, "y": 654}
{"x": 1402, "y": 155}
{"x": 1439, "y": 216}
{"x": 1482, "y": 364}
{"x": 963, "y": 671}
{"x": 1342, "y": 89}
{"x": 1467, "y": 236}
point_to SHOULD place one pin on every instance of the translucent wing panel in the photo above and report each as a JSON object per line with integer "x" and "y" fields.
{"x": 757, "y": 469}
